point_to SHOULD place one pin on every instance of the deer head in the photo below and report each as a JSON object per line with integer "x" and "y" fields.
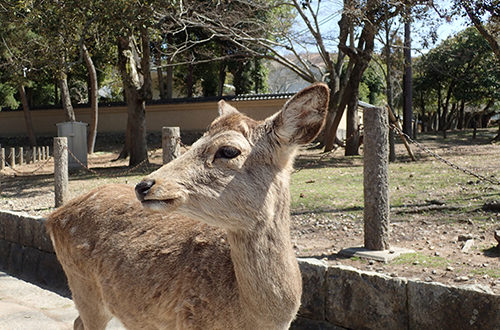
{"x": 238, "y": 171}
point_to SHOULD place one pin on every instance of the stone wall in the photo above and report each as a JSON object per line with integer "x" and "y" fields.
{"x": 26, "y": 251}
{"x": 334, "y": 297}
{"x": 342, "y": 296}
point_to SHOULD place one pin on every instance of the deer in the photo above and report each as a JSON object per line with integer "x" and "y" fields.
{"x": 204, "y": 241}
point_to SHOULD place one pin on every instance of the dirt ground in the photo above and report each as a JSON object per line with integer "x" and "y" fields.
{"x": 440, "y": 255}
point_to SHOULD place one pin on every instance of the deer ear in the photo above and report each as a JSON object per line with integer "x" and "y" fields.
{"x": 303, "y": 116}
{"x": 226, "y": 108}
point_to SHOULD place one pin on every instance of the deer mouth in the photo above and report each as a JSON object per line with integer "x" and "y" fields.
{"x": 161, "y": 204}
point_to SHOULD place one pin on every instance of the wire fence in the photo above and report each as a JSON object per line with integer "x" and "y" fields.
{"x": 310, "y": 164}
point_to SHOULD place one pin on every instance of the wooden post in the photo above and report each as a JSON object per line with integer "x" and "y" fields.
{"x": 375, "y": 179}
{"x": 2, "y": 158}
{"x": 170, "y": 137}
{"x": 21, "y": 156}
{"x": 12, "y": 157}
{"x": 60, "y": 170}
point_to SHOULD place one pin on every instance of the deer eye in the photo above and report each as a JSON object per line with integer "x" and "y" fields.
{"x": 227, "y": 152}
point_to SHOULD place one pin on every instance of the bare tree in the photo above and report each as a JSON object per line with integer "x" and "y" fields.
{"x": 359, "y": 23}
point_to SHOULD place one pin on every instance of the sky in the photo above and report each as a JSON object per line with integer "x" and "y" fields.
{"x": 330, "y": 13}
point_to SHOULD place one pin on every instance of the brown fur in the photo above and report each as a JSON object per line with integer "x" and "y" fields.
{"x": 216, "y": 251}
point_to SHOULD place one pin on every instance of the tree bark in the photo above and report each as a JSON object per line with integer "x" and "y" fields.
{"x": 159, "y": 72}
{"x": 337, "y": 82}
{"x": 56, "y": 92}
{"x": 65, "y": 97}
{"x": 94, "y": 104}
{"x": 27, "y": 116}
{"x": 145, "y": 66}
{"x": 134, "y": 88}
{"x": 189, "y": 81}
{"x": 170, "y": 71}
{"x": 389, "y": 87}
{"x": 222, "y": 78}
{"x": 407, "y": 81}
{"x": 439, "y": 110}
{"x": 461, "y": 115}
{"x": 352, "y": 121}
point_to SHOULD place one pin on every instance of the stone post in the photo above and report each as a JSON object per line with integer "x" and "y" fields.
{"x": 39, "y": 153}
{"x": 33, "y": 154}
{"x": 170, "y": 141}
{"x": 375, "y": 182}
{"x": 12, "y": 157}
{"x": 21, "y": 156}
{"x": 47, "y": 151}
{"x": 61, "y": 170}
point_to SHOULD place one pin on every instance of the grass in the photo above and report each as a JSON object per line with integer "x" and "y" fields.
{"x": 331, "y": 188}
{"x": 420, "y": 260}
{"x": 491, "y": 272}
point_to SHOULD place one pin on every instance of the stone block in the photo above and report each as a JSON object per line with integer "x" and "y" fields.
{"x": 313, "y": 288}
{"x": 301, "y": 323}
{"x": 41, "y": 239}
{"x": 51, "y": 274}
{"x": 4, "y": 254}
{"x": 25, "y": 225}
{"x": 10, "y": 222}
{"x": 365, "y": 300}
{"x": 30, "y": 263}
{"x": 437, "y": 306}
{"x": 15, "y": 259}
{"x": 2, "y": 226}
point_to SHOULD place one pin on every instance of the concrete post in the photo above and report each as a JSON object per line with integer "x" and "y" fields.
{"x": 375, "y": 182}
{"x": 2, "y": 158}
{"x": 170, "y": 141}
{"x": 21, "y": 156}
{"x": 61, "y": 170}
{"x": 12, "y": 157}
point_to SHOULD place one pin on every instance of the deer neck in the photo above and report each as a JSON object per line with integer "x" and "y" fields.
{"x": 265, "y": 266}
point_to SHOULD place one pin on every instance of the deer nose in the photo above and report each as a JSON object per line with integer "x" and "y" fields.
{"x": 142, "y": 188}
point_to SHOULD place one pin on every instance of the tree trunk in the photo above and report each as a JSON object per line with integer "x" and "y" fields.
{"x": 333, "y": 118}
{"x": 133, "y": 85}
{"x": 170, "y": 70}
{"x": 222, "y": 78}
{"x": 189, "y": 81}
{"x": 461, "y": 115}
{"x": 27, "y": 116}
{"x": 94, "y": 105}
{"x": 56, "y": 92}
{"x": 337, "y": 83}
{"x": 145, "y": 65}
{"x": 439, "y": 106}
{"x": 352, "y": 132}
{"x": 389, "y": 88}
{"x": 444, "y": 115}
{"x": 66, "y": 98}
{"x": 159, "y": 72}
{"x": 407, "y": 81}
